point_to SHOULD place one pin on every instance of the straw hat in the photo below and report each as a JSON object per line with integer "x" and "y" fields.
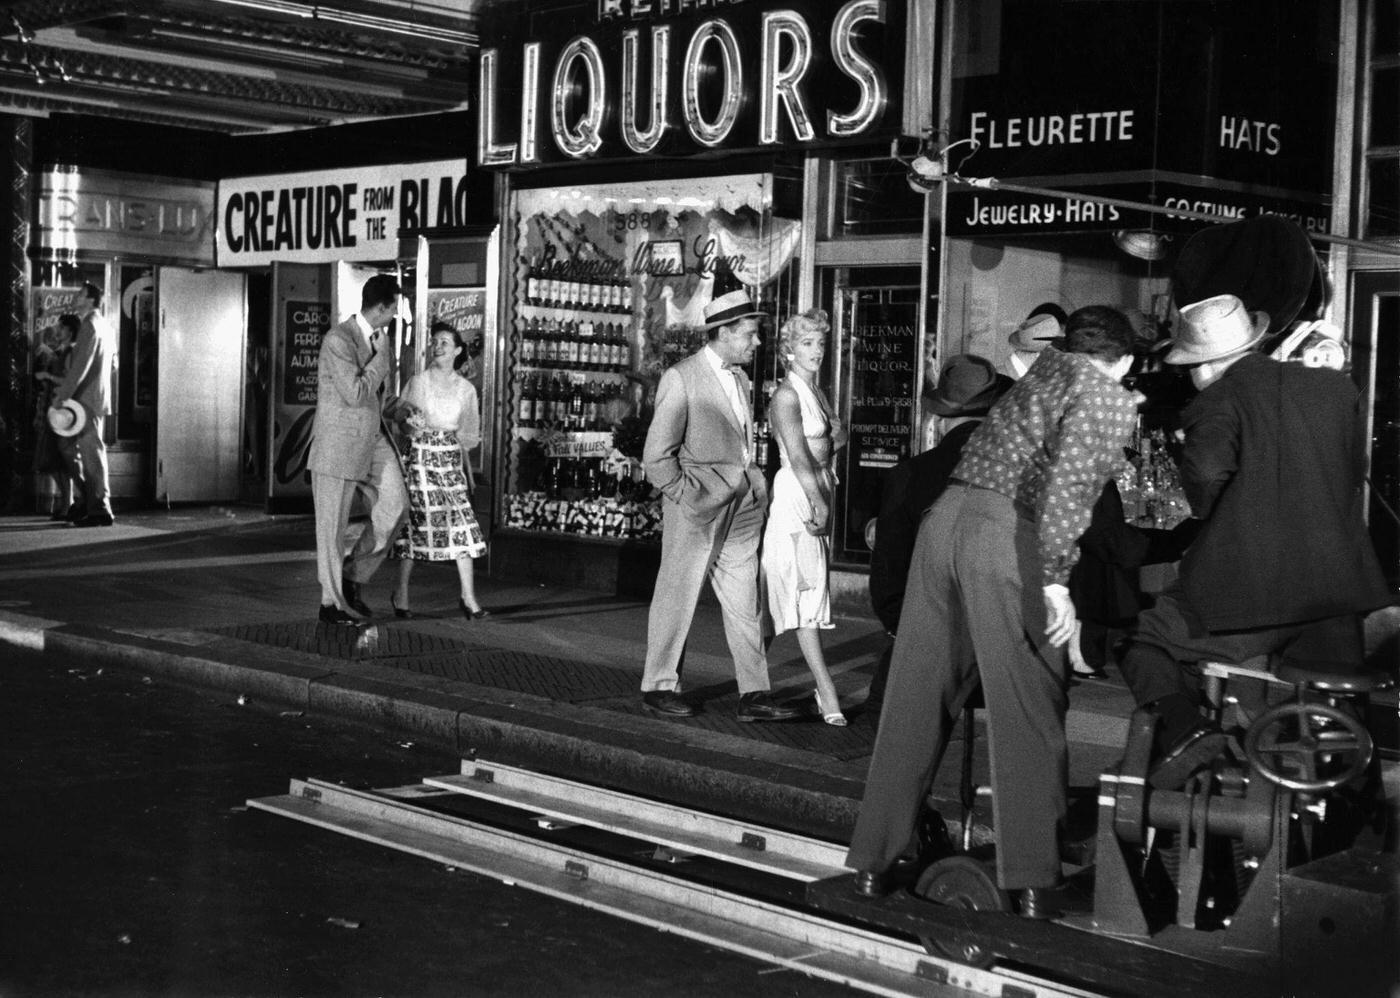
{"x": 729, "y": 307}
{"x": 67, "y": 419}
{"x": 1216, "y": 328}
{"x": 1037, "y": 332}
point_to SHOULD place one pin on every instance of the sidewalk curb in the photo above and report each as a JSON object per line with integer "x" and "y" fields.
{"x": 746, "y": 779}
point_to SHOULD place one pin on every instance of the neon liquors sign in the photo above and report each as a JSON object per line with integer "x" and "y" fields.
{"x": 659, "y": 77}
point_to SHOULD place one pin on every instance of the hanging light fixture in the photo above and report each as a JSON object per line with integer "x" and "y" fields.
{"x": 1144, "y": 244}
{"x": 927, "y": 164}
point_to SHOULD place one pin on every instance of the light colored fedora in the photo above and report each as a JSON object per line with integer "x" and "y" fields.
{"x": 68, "y": 419}
{"x": 730, "y": 307}
{"x": 1216, "y": 328}
{"x": 1036, "y": 333}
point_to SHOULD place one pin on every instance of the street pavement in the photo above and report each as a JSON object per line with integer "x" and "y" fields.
{"x": 225, "y": 598}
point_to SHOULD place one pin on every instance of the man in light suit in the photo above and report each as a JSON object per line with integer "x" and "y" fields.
{"x": 352, "y": 454}
{"x": 699, "y": 454}
{"x": 89, "y": 372}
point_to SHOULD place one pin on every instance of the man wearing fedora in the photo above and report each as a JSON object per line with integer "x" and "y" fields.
{"x": 86, "y": 383}
{"x": 1273, "y": 465}
{"x": 699, "y": 454}
{"x": 988, "y": 595}
{"x": 966, "y": 390}
{"x": 1045, "y": 325}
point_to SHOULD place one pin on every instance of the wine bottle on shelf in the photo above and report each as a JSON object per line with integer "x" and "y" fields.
{"x": 590, "y": 406}
{"x": 616, "y": 347}
{"x": 532, "y": 288}
{"x": 525, "y": 410}
{"x": 761, "y": 438}
{"x": 626, "y": 297}
{"x": 544, "y": 402}
{"x": 562, "y": 360}
{"x": 549, "y": 352}
{"x": 624, "y": 353}
{"x": 586, "y": 344}
{"x": 576, "y": 406}
{"x": 551, "y": 479}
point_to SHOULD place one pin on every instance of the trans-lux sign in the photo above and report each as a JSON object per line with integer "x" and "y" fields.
{"x": 658, "y": 77}
{"x": 328, "y": 215}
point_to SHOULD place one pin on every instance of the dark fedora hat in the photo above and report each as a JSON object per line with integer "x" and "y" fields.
{"x": 1266, "y": 262}
{"x": 968, "y": 386}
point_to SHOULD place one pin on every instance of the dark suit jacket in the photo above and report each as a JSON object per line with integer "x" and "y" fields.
{"x": 910, "y": 489}
{"x": 1273, "y": 463}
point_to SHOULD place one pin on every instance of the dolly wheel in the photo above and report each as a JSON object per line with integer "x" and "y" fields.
{"x": 961, "y": 882}
{"x": 1294, "y": 743}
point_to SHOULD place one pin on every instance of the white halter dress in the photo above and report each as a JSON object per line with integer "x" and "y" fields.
{"x": 794, "y": 561}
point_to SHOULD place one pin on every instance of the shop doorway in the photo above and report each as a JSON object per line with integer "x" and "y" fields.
{"x": 1375, "y": 358}
{"x": 874, "y": 373}
{"x": 199, "y": 394}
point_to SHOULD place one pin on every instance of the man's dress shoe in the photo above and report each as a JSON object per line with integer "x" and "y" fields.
{"x": 335, "y": 615}
{"x": 667, "y": 703}
{"x": 352, "y": 597}
{"x": 1192, "y": 751}
{"x": 1042, "y": 902}
{"x": 760, "y": 706}
{"x": 97, "y": 520}
{"x": 871, "y": 883}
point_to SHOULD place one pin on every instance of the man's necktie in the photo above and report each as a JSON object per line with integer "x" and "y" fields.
{"x": 742, "y": 411}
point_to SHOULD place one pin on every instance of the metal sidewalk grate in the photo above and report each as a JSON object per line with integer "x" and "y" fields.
{"x": 449, "y": 658}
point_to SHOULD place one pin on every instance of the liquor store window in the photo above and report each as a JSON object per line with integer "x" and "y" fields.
{"x": 610, "y": 286}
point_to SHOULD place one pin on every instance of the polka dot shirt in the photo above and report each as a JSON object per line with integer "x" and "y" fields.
{"x": 1050, "y": 444}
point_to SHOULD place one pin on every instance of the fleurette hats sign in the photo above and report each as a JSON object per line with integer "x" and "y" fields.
{"x": 1109, "y": 99}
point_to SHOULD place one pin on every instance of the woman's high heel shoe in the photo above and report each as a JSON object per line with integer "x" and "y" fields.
{"x": 471, "y": 614}
{"x": 402, "y": 612}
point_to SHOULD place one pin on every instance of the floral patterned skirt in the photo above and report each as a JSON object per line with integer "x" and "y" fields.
{"x": 441, "y": 525}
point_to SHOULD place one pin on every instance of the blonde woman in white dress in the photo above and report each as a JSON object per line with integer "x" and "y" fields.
{"x": 796, "y": 548}
{"x": 446, "y": 425}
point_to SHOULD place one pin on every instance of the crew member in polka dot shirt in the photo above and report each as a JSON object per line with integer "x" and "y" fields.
{"x": 988, "y": 585}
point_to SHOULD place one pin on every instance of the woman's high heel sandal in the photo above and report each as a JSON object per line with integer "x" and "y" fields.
{"x": 832, "y": 717}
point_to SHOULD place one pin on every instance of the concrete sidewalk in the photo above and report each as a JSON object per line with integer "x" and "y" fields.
{"x": 225, "y": 597}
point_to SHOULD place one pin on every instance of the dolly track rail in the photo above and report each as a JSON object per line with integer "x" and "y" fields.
{"x": 798, "y": 940}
